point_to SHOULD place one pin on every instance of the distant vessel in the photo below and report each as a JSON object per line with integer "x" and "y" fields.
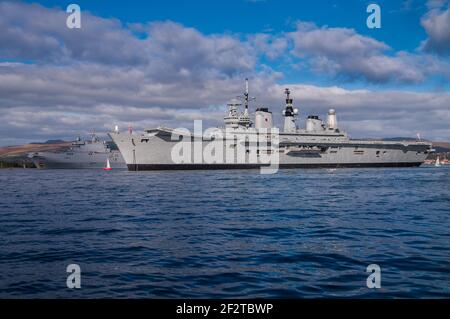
{"x": 82, "y": 154}
{"x": 319, "y": 144}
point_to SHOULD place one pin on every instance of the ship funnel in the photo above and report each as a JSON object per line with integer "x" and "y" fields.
{"x": 314, "y": 124}
{"x": 332, "y": 120}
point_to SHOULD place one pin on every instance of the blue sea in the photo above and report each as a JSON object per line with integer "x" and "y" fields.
{"x": 225, "y": 234}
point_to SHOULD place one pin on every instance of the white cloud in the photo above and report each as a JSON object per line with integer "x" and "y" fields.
{"x": 343, "y": 52}
{"x": 437, "y": 25}
{"x": 33, "y": 32}
{"x": 271, "y": 46}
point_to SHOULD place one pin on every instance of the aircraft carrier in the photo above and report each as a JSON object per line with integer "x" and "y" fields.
{"x": 242, "y": 143}
{"x": 81, "y": 154}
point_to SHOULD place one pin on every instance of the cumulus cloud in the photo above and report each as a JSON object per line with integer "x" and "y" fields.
{"x": 343, "y": 52}
{"x": 82, "y": 97}
{"x": 188, "y": 49}
{"x": 271, "y": 46}
{"x": 437, "y": 26}
{"x": 32, "y": 32}
{"x": 39, "y": 34}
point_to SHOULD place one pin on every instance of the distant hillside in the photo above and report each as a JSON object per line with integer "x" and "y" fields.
{"x": 442, "y": 147}
{"x": 394, "y": 139}
{"x": 22, "y": 150}
{"x": 50, "y": 142}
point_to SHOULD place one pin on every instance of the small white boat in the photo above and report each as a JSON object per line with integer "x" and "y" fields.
{"x": 438, "y": 162}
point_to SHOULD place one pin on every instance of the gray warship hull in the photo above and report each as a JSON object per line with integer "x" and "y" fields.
{"x": 81, "y": 155}
{"x": 154, "y": 151}
{"x": 48, "y": 160}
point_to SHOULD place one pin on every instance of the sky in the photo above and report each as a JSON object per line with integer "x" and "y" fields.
{"x": 150, "y": 63}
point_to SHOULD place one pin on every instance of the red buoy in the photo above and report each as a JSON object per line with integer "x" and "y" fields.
{"x": 108, "y": 166}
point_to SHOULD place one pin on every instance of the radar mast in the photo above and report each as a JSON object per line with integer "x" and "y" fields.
{"x": 244, "y": 119}
{"x": 289, "y": 114}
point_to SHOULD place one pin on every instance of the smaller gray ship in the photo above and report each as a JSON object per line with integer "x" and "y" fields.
{"x": 92, "y": 153}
